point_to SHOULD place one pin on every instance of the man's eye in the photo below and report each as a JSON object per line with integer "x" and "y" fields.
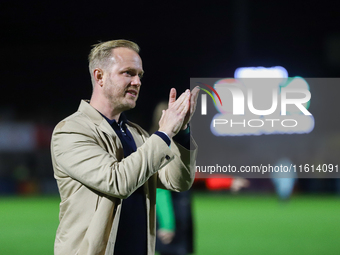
{"x": 127, "y": 73}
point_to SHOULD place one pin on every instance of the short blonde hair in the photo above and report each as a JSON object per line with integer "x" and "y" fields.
{"x": 102, "y": 52}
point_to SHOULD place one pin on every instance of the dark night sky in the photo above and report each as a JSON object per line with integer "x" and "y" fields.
{"x": 44, "y": 46}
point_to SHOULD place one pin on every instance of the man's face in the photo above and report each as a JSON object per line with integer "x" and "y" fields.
{"x": 122, "y": 79}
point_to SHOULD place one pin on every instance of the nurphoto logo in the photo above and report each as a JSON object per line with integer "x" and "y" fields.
{"x": 255, "y": 106}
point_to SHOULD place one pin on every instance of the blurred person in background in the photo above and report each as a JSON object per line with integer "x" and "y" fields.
{"x": 108, "y": 168}
{"x": 175, "y": 230}
{"x": 174, "y": 216}
{"x": 284, "y": 181}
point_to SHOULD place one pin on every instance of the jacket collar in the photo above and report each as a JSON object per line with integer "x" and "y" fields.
{"x": 99, "y": 121}
{"x": 95, "y": 117}
{"x": 91, "y": 112}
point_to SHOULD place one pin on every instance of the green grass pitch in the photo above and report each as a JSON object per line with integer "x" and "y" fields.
{"x": 261, "y": 225}
{"x": 224, "y": 224}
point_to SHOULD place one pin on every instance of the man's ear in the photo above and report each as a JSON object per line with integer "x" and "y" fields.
{"x": 98, "y": 75}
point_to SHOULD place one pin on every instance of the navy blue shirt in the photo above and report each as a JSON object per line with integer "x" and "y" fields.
{"x": 132, "y": 227}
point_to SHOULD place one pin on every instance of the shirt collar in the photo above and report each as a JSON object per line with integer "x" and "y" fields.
{"x": 121, "y": 122}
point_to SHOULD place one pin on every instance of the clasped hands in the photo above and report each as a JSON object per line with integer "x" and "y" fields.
{"x": 179, "y": 112}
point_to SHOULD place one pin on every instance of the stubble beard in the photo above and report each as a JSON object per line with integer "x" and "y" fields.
{"x": 116, "y": 104}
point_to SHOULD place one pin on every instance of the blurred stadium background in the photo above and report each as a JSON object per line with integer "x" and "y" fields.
{"x": 44, "y": 51}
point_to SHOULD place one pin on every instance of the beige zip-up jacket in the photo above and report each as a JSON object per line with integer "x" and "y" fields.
{"x": 93, "y": 177}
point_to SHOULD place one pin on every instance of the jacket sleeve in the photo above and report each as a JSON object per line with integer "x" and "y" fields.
{"x": 179, "y": 174}
{"x": 77, "y": 154}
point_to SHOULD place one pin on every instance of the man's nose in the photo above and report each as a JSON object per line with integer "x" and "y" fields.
{"x": 136, "y": 81}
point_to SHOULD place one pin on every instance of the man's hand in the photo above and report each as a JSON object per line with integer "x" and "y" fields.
{"x": 165, "y": 236}
{"x": 193, "y": 102}
{"x": 172, "y": 119}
